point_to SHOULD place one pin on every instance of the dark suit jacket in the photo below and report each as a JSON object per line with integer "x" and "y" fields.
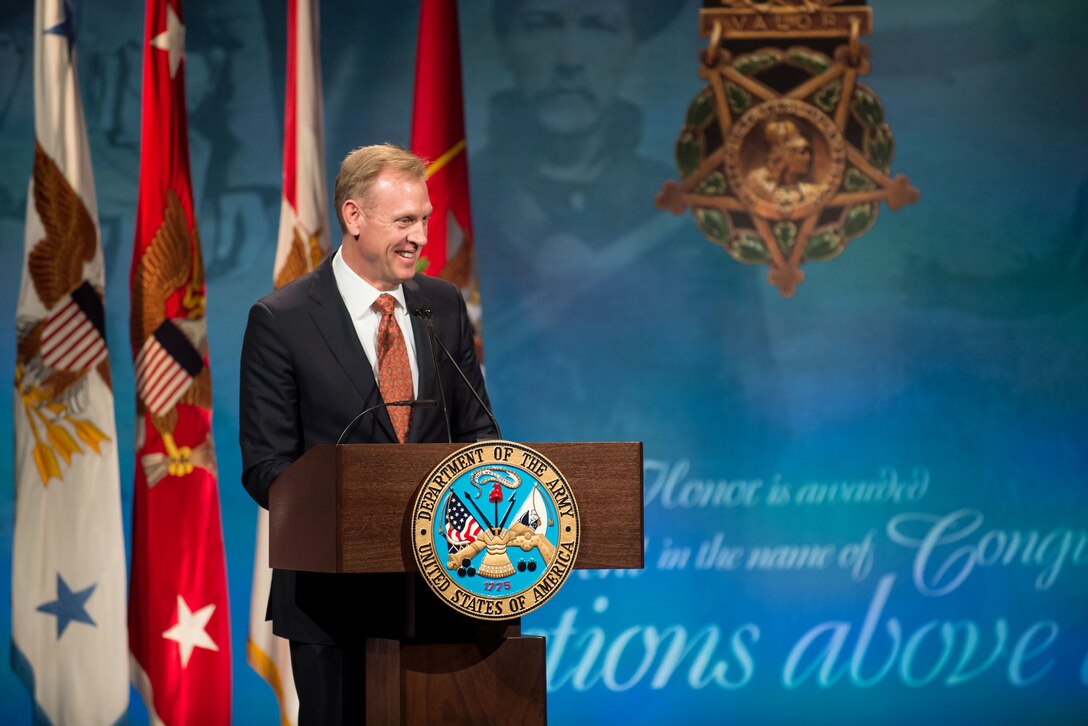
{"x": 304, "y": 377}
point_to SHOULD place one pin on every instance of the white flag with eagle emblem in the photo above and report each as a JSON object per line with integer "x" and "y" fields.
{"x": 69, "y": 640}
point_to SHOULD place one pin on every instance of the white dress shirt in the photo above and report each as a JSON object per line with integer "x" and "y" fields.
{"x": 358, "y": 296}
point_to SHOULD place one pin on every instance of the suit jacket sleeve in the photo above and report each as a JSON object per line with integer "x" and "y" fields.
{"x": 269, "y": 427}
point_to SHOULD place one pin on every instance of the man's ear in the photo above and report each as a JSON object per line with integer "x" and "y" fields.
{"x": 353, "y": 215}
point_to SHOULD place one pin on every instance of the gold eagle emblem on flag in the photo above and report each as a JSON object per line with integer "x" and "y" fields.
{"x": 304, "y": 255}
{"x": 57, "y": 351}
{"x": 168, "y": 316}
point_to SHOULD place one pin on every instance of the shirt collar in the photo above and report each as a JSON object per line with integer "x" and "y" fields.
{"x": 358, "y": 294}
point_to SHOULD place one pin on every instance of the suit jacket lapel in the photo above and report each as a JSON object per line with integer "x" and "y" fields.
{"x": 413, "y": 298}
{"x": 330, "y": 316}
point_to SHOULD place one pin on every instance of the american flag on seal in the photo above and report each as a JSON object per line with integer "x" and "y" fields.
{"x": 461, "y": 527}
{"x": 166, "y": 366}
{"x": 73, "y": 337}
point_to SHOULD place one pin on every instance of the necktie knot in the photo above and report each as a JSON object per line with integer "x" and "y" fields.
{"x": 385, "y": 304}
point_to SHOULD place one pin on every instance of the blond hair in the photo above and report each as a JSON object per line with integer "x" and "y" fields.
{"x": 361, "y": 167}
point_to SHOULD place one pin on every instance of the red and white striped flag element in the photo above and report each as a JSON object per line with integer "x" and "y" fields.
{"x": 165, "y": 367}
{"x": 304, "y": 231}
{"x": 74, "y": 336}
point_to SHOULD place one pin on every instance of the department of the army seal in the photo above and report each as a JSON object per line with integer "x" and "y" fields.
{"x": 495, "y": 530}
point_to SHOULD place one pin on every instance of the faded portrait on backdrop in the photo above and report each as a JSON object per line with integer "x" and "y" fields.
{"x": 564, "y": 183}
{"x": 571, "y": 248}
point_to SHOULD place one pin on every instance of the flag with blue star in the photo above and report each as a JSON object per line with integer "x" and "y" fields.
{"x": 69, "y": 606}
{"x": 69, "y": 643}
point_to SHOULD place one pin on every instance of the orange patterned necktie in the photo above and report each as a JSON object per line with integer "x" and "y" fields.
{"x": 394, "y": 373}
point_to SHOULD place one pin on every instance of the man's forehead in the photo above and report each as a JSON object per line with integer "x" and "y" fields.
{"x": 400, "y": 191}
{"x": 397, "y": 207}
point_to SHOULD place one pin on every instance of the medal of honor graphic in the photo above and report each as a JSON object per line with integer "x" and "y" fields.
{"x": 784, "y": 156}
{"x": 495, "y": 530}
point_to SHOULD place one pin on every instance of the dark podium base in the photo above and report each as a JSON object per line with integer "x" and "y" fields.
{"x": 442, "y": 683}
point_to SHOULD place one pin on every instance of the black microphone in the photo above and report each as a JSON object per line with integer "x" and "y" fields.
{"x": 426, "y": 314}
{"x": 355, "y": 421}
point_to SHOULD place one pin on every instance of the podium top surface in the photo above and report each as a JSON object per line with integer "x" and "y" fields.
{"x": 348, "y": 508}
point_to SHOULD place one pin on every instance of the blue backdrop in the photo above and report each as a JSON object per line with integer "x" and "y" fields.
{"x": 864, "y": 503}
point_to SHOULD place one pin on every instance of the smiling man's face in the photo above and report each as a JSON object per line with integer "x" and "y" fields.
{"x": 390, "y": 228}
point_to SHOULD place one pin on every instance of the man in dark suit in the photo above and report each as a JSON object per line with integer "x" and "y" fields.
{"x": 326, "y": 347}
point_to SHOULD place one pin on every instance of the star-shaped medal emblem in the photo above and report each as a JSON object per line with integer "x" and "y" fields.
{"x": 189, "y": 631}
{"x": 172, "y": 40}
{"x": 68, "y": 606}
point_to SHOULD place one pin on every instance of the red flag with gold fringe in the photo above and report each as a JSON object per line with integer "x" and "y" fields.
{"x": 179, "y": 620}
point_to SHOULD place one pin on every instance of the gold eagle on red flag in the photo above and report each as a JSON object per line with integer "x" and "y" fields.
{"x": 170, "y": 365}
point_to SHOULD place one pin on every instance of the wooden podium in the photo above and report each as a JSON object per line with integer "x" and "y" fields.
{"x": 335, "y": 509}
